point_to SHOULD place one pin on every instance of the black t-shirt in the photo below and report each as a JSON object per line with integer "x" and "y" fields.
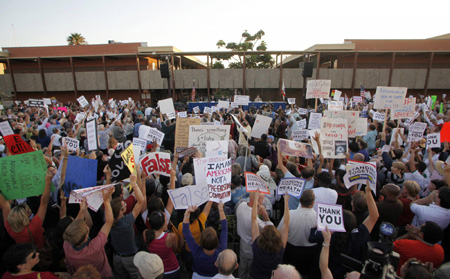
{"x": 264, "y": 262}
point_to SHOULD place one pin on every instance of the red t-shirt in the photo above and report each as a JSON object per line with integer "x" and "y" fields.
{"x": 36, "y": 230}
{"x": 408, "y": 248}
{"x": 32, "y": 275}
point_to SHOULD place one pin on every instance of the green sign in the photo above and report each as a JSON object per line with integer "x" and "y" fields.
{"x": 22, "y": 175}
{"x": 433, "y": 101}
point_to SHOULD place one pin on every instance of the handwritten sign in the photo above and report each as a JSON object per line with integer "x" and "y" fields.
{"x": 261, "y": 125}
{"x": 207, "y": 110}
{"x": 200, "y": 134}
{"x": 83, "y": 102}
{"x": 406, "y": 110}
{"x": 187, "y": 196}
{"x": 416, "y": 131}
{"x": 241, "y": 100}
{"x": 334, "y": 137}
{"x": 151, "y": 134}
{"x": 293, "y": 186}
{"x": 80, "y": 173}
{"x": 331, "y": 216}
{"x": 93, "y": 195}
{"x": 378, "y": 116}
{"x": 293, "y": 148}
{"x": 253, "y": 182}
{"x": 434, "y": 141}
{"x": 166, "y": 106}
{"x": 223, "y": 104}
{"x": 182, "y": 132}
{"x": 302, "y": 111}
{"x": 22, "y": 175}
{"x": 389, "y": 97}
{"x": 156, "y": 163}
{"x": 291, "y": 101}
{"x": 318, "y": 88}
{"x": 72, "y": 144}
{"x": 302, "y": 124}
{"x": 16, "y": 145}
{"x": 91, "y": 135}
{"x": 357, "y": 99}
{"x": 182, "y": 114}
{"x": 337, "y": 95}
{"x": 218, "y": 179}
{"x": 5, "y": 128}
{"x": 351, "y": 116}
{"x": 217, "y": 149}
{"x": 196, "y": 109}
{"x": 361, "y": 127}
{"x": 299, "y": 135}
{"x": 128, "y": 157}
{"x": 314, "y": 121}
{"x": 359, "y": 173}
{"x": 335, "y": 105}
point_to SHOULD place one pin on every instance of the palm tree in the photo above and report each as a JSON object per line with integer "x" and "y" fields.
{"x": 76, "y": 39}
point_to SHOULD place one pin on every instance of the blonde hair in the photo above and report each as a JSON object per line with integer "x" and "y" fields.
{"x": 76, "y": 232}
{"x": 412, "y": 187}
{"x": 399, "y": 165}
{"x": 18, "y": 217}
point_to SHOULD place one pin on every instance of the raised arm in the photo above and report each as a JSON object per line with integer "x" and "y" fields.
{"x": 108, "y": 173}
{"x": 169, "y": 206}
{"x": 109, "y": 218}
{"x": 255, "y": 227}
{"x": 139, "y": 197}
{"x": 45, "y": 196}
{"x": 63, "y": 210}
{"x": 143, "y": 189}
{"x": 324, "y": 254}
{"x": 280, "y": 160}
{"x": 285, "y": 229}
{"x": 84, "y": 213}
{"x": 207, "y": 208}
{"x": 373, "y": 210}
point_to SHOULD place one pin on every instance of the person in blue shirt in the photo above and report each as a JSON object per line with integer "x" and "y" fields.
{"x": 370, "y": 138}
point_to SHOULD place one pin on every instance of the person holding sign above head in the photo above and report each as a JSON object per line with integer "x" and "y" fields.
{"x": 269, "y": 244}
{"x": 205, "y": 254}
{"x": 353, "y": 239}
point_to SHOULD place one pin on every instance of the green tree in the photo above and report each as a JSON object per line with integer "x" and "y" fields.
{"x": 76, "y": 39}
{"x": 248, "y": 43}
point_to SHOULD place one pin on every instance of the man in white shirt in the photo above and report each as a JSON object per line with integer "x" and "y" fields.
{"x": 438, "y": 212}
{"x": 244, "y": 230}
{"x": 322, "y": 193}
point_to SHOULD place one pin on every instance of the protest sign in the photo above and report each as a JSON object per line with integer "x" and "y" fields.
{"x": 139, "y": 146}
{"x": 16, "y": 145}
{"x": 218, "y": 179}
{"x": 223, "y": 104}
{"x": 128, "y": 157}
{"x": 241, "y": 100}
{"x": 186, "y": 196}
{"x": 399, "y": 139}
{"x": 79, "y": 117}
{"x": 386, "y": 148}
{"x": 293, "y": 186}
{"x": 166, "y": 106}
{"x": 406, "y": 110}
{"x": 36, "y": 103}
{"x": 80, "y": 173}
{"x": 377, "y": 116}
{"x": 334, "y": 137}
{"x": 253, "y": 182}
{"x": 359, "y": 173}
{"x": 299, "y": 135}
{"x": 318, "y": 88}
{"x": 187, "y": 152}
{"x": 182, "y": 132}
{"x": 445, "y": 132}
{"x": 314, "y": 121}
{"x": 261, "y": 126}
{"x": 291, "y": 101}
{"x": 351, "y": 116}
{"x": 72, "y": 144}
{"x": 151, "y": 134}
{"x": 389, "y": 97}
{"x": 83, "y": 102}
{"x": 47, "y": 101}
{"x": 337, "y": 95}
{"x": 93, "y": 195}
{"x": 156, "y": 163}
{"x": 200, "y": 134}
{"x": 361, "y": 127}
{"x": 302, "y": 111}
{"x": 119, "y": 171}
{"x": 91, "y": 135}
{"x": 207, "y": 110}
{"x": 182, "y": 114}
{"x": 301, "y": 124}
{"x": 233, "y": 105}
{"x": 357, "y": 99}
{"x": 217, "y": 149}
{"x": 293, "y": 148}
{"x": 335, "y": 105}
{"x": 196, "y": 109}
{"x": 22, "y": 175}
{"x": 434, "y": 141}
{"x": 200, "y": 168}
{"x": 5, "y": 128}
{"x": 416, "y": 131}
{"x": 331, "y": 216}
{"x": 409, "y": 121}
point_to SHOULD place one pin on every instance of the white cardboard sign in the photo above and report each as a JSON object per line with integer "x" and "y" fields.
{"x": 378, "y": 116}
{"x": 314, "y": 121}
{"x": 318, "y": 88}
{"x": 434, "y": 140}
{"x": 241, "y": 100}
{"x": 5, "y": 128}
{"x": 218, "y": 179}
{"x": 93, "y": 195}
{"x": 72, "y": 144}
{"x": 182, "y": 114}
{"x": 299, "y": 135}
{"x": 359, "y": 173}
{"x": 200, "y": 134}
{"x": 302, "y": 124}
{"x": 156, "y": 163}
{"x": 187, "y": 196}
{"x": 291, "y": 101}
{"x": 261, "y": 125}
{"x": 389, "y": 97}
{"x": 151, "y": 134}
{"x": 83, "y": 102}
{"x": 91, "y": 135}
{"x": 166, "y": 106}
{"x": 331, "y": 216}
{"x": 223, "y": 104}
{"x": 253, "y": 182}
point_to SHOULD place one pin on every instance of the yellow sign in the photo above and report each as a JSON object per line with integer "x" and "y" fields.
{"x": 128, "y": 157}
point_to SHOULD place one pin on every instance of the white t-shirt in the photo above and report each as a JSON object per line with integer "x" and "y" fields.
{"x": 300, "y": 223}
{"x": 324, "y": 195}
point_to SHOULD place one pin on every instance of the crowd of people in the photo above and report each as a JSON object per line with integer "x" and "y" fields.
{"x": 137, "y": 233}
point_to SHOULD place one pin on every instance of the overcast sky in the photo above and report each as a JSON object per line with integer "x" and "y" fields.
{"x": 197, "y": 25}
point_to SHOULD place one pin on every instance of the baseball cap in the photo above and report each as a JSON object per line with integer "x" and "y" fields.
{"x": 150, "y": 265}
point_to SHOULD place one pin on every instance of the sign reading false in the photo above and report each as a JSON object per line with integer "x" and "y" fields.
{"x": 218, "y": 179}
{"x": 253, "y": 182}
{"x": 293, "y": 186}
{"x": 16, "y": 145}
{"x": 156, "y": 163}
{"x": 187, "y": 196}
{"x": 331, "y": 216}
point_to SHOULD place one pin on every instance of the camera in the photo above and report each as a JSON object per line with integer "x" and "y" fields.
{"x": 380, "y": 260}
